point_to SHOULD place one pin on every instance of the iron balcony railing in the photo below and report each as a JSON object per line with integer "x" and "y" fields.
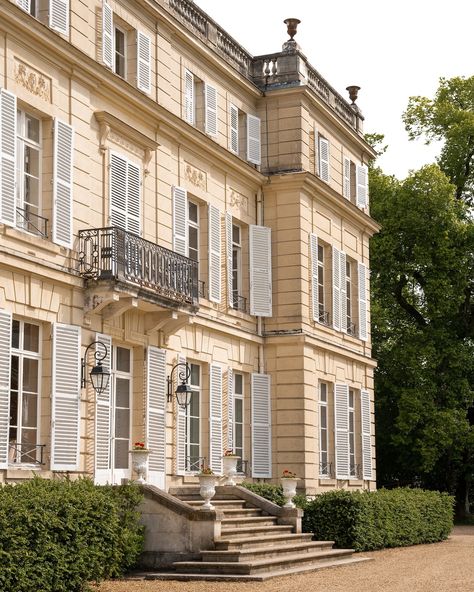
{"x": 356, "y": 471}
{"x": 115, "y": 254}
{"x": 239, "y": 302}
{"x": 243, "y": 467}
{"x": 32, "y": 222}
{"x": 325, "y": 470}
{"x": 20, "y": 453}
{"x": 202, "y": 289}
{"x": 323, "y": 317}
{"x": 195, "y": 464}
{"x": 351, "y": 329}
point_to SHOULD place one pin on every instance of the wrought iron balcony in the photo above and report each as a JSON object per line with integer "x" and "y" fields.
{"x": 21, "y": 453}
{"x": 115, "y": 254}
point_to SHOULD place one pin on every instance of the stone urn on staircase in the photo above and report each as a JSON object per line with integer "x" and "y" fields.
{"x": 289, "y": 481}
{"x": 139, "y": 456}
{"x": 229, "y": 466}
{"x": 207, "y": 487}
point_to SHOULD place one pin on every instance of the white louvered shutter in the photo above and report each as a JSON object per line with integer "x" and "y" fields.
{"x": 65, "y": 397}
{"x": 103, "y": 419}
{"x": 25, "y": 4}
{"x": 107, "y": 35}
{"x": 362, "y": 285}
{"x": 180, "y": 429}
{"x": 230, "y": 409}
{"x": 313, "y": 247}
{"x": 118, "y": 191}
{"x": 63, "y": 183}
{"x": 336, "y": 289}
{"x": 253, "y": 139}
{"x": 210, "y": 102}
{"x": 324, "y": 159}
{"x": 366, "y": 435}
{"x": 361, "y": 184}
{"x": 228, "y": 245}
{"x": 316, "y": 151}
{"x": 180, "y": 220}
{"x": 215, "y": 419}
{"x": 234, "y": 129}
{"x": 261, "y": 427}
{"x": 5, "y": 364}
{"x": 7, "y": 157}
{"x": 346, "y": 178}
{"x": 156, "y": 415}
{"x": 59, "y": 15}
{"x": 343, "y": 292}
{"x": 189, "y": 97}
{"x": 260, "y": 271}
{"x": 133, "y": 198}
{"x": 341, "y": 422}
{"x": 214, "y": 254}
{"x": 143, "y": 62}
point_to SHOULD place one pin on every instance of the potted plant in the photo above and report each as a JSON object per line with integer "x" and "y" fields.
{"x": 140, "y": 460}
{"x": 207, "y": 487}
{"x": 229, "y": 466}
{"x": 288, "y": 482}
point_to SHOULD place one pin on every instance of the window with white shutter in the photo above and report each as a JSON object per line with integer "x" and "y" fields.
{"x": 103, "y": 419}
{"x": 215, "y": 418}
{"x": 230, "y": 409}
{"x": 260, "y": 271}
{"x": 26, "y": 5}
{"x": 65, "y": 397}
{"x": 366, "y": 435}
{"x": 210, "y": 110}
{"x": 362, "y": 186}
{"x": 253, "y": 139}
{"x": 341, "y": 422}
{"x": 63, "y": 183}
{"x": 125, "y": 190}
{"x": 261, "y": 427}
{"x": 189, "y": 99}
{"x": 156, "y": 415}
{"x": 324, "y": 171}
{"x": 181, "y": 420}
{"x": 107, "y": 35}
{"x": 180, "y": 220}
{"x": 234, "y": 129}
{"x": 346, "y": 178}
{"x": 8, "y": 143}
{"x": 362, "y": 286}
{"x": 346, "y": 292}
{"x": 313, "y": 248}
{"x": 336, "y": 288}
{"x": 143, "y": 62}
{"x": 214, "y": 254}
{"x": 228, "y": 245}
{"x": 59, "y": 16}
{"x": 5, "y": 360}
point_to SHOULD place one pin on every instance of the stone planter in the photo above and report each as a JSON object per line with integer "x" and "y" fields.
{"x": 207, "y": 491}
{"x": 140, "y": 464}
{"x": 289, "y": 490}
{"x": 229, "y": 468}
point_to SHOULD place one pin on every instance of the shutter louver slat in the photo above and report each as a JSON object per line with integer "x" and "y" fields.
{"x": 362, "y": 282}
{"x": 341, "y": 421}
{"x": 189, "y": 97}
{"x": 336, "y": 289}
{"x": 25, "y": 4}
{"x": 59, "y": 15}
{"x": 180, "y": 432}
{"x": 260, "y": 271}
{"x": 253, "y": 139}
{"x": 324, "y": 171}
{"x": 107, "y": 35}
{"x": 210, "y": 99}
{"x": 366, "y": 435}
{"x": 133, "y": 198}
{"x": 346, "y": 182}
{"x": 313, "y": 245}
{"x": 214, "y": 254}
{"x": 234, "y": 129}
{"x": 361, "y": 184}
{"x": 215, "y": 418}
{"x": 118, "y": 191}
{"x": 143, "y": 62}
{"x": 180, "y": 220}
{"x": 230, "y": 409}
{"x": 261, "y": 427}
{"x": 103, "y": 420}
{"x": 7, "y": 157}
{"x": 228, "y": 231}
{"x": 156, "y": 415}
{"x": 343, "y": 292}
{"x": 62, "y": 183}
{"x": 5, "y": 365}
{"x": 65, "y": 397}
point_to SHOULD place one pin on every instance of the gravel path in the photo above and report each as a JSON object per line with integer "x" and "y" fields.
{"x": 441, "y": 567}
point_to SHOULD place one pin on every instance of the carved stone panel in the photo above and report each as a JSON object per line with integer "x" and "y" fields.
{"x": 195, "y": 176}
{"x": 34, "y": 81}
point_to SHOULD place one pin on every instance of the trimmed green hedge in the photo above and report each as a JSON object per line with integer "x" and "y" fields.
{"x": 365, "y": 521}
{"x": 55, "y": 536}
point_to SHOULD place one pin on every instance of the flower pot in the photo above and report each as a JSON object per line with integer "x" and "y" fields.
{"x": 140, "y": 463}
{"x": 229, "y": 468}
{"x": 289, "y": 490}
{"x": 207, "y": 490}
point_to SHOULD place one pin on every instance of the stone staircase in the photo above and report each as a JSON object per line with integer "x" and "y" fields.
{"x": 252, "y": 545}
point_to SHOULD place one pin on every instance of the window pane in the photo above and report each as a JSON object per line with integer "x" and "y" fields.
{"x": 32, "y": 130}
{"x": 122, "y": 423}
{"x": 29, "y": 411}
{"x": 16, "y": 334}
{"x": 238, "y": 384}
{"x": 194, "y": 430}
{"x": 193, "y": 212}
{"x": 31, "y": 337}
{"x": 320, "y": 253}
{"x": 238, "y": 437}
{"x": 122, "y": 395}
{"x": 123, "y": 359}
{"x": 236, "y": 234}
{"x": 121, "y": 454}
{"x": 14, "y": 373}
{"x": 238, "y": 406}
{"x": 351, "y": 398}
{"x": 195, "y": 378}
{"x": 194, "y": 405}
{"x": 13, "y": 409}
{"x": 30, "y": 375}
{"x": 323, "y": 392}
{"x": 324, "y": 419}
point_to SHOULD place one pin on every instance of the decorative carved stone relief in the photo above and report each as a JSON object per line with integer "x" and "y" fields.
{"x": 238, "y": 200}
{"x": 34, "y": 81}
{"x": 195, "y": 176}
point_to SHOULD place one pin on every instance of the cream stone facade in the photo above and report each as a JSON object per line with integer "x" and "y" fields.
{"x": 179, "y": 200}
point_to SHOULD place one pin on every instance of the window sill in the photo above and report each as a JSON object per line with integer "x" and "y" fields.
{"x": 34, "y": 241}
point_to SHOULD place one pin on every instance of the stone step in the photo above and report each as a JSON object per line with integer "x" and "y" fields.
{"x": 228, "y": 544}
{"x": 221, "y": 504}
{"x": 254, "y": 553}
{"x": 260, "y": 565}
{"x": 257, "y": 530}
{"x": 243, "y": 522}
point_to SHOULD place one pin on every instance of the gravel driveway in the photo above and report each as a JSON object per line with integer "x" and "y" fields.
{"x": 441, "y": 567}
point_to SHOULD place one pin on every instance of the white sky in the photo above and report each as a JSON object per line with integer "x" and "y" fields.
{"x": 392, "y": 50}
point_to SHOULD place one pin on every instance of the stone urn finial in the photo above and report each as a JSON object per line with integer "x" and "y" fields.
{"x": 291, "y": 24}
{"x": 353, "y": 92}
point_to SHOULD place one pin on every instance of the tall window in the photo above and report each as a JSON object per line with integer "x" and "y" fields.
{"x": 28, "y": 171}
{"x": 323, "y": 315}
{"x": 24, "y": 392}
{"x": 193, "y": 231}
{"x": 121, "y": 409}
{"x": 352, "y": 455}
{"x": 236, "y": 267}
{"x": 120, "y": 47}
{"x": 193, "y": 422}
{"x": 350, "y": 325}
{"x": 239, "y": 416}
{"x": 324, "y": 466}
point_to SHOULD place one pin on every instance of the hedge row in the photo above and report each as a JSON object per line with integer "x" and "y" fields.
{"x": 55, "y": 536}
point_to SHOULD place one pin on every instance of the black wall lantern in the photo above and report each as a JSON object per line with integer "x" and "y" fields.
{"x": 99, "y": 376}
{"x": 183, "y": 391}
